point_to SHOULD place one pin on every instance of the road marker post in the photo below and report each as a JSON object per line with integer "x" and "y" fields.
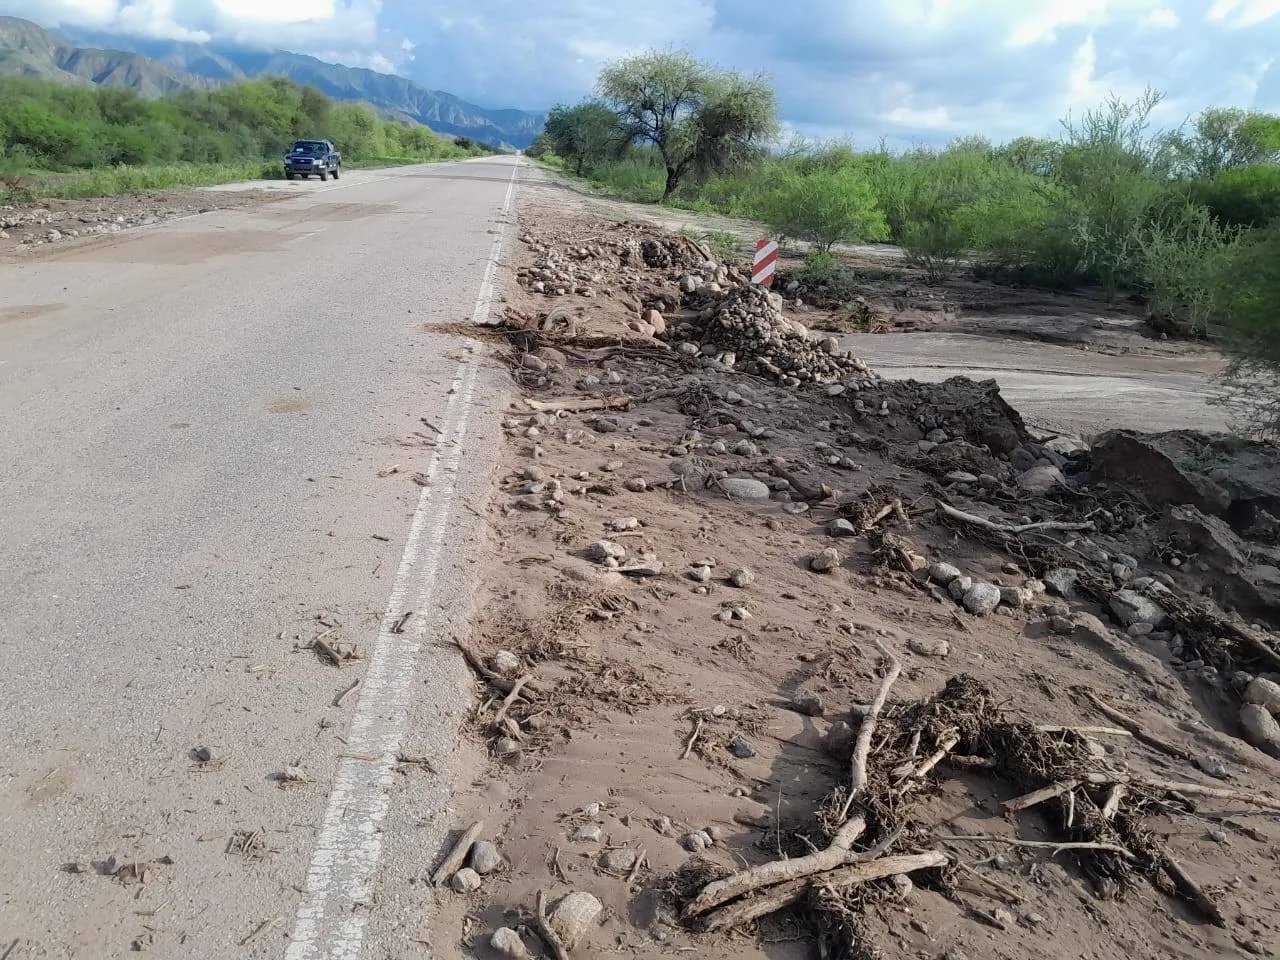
{"x": 766, "y": 263}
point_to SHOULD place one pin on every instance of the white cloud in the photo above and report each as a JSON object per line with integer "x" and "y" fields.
{"x": 1161, "y": 19}
{"x": 1243, "y": 13}
{"x": 906, "y": 69}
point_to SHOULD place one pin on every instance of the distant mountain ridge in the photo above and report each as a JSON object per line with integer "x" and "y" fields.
{"x": 157, "y": 67}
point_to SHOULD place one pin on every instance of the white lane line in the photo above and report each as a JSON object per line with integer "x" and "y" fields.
{"x": 331, "y": 919}
{"x": 484, "y": 302}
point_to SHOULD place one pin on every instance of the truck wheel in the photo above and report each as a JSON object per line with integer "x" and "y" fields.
{"x": 335, "y": 172}
{"x": 288, "y": 175}
{"x": 324, "y": 175}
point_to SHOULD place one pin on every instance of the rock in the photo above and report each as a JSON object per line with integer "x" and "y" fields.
{"x": 506, "y": 748}
{"x": 742, "y": 577}
{"x": 1264, "y": 693}
{"x": 700, "y": 574}
{"x": 485, "y": 858}
{"x": 1039, "y": 480}
{"x": 505, "y": 663}
{"x": 741, "y": 749}
{"x": 636, "y": 485}
{"x": 696, "y": 842}
{"x": 841, "y": 528}
{"x": 1061, "y": 581}
{"x": 743, "y": 489}
{"x": 536, "y": 364}
{"x": 943, "y": 573}
{"x": 826, "y": 561}
{"x": 1014, "y": 597}
{"x": 573, "y": 917}
{"x": 1066, "y": 446}
{"x": 603, "y": 550}
{"x": 618, "y": 860}
{"x": 508, "y": 943}
{"x": 1211, "y": 473}
{"x": 203, "y": 754}
{"x": 960, "y": 476}
{"x": 959, "y": 587}
{"x": 620, "y": 524}
{"x": 1260, "y": 728}
{"x": 641, "y": 568}
{"x": 807, "y": 703}
{"x": 1063, "y": 626}
{"x": 1130, "y": 608}
{"x": 465, "y": 880}
{"x": 587, "y": 833}
{"x": 839, "y": 740}
{"x": 982, "y": 599}
{"x": 654, "y": 319}
{"x": 937, "y": 437}
{"x": 929, "y": 647}
{"x": 795, "y": 509}
{"x": 1213, "y": 766}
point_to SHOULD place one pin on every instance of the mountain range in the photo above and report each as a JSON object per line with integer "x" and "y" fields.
{"x": 158, "y": 67}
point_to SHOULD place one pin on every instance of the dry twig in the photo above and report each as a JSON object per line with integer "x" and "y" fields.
{"x": 1014, "y": 529}
{"x": 545, "y": 930}
{"x": 457, "y": 854}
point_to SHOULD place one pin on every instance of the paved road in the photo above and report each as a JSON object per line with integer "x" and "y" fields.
{"x": 1055, "y": 387}
{"x": 195, "y": 420}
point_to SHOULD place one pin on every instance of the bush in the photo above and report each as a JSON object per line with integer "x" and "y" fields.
{"x": 1250, "y": 292}
{"x": 1183, "y": 258}
{"x": 825, "y": 208}
{"x": 1242, "y": 196}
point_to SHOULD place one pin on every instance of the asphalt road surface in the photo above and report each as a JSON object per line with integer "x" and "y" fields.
{"x": 222, "y": 438}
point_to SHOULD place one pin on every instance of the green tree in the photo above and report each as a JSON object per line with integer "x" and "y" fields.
{"x": 1225, "y": 138}
{"x": 584, "y": 134}
{"x": 695, "y": 117}
{"x": 825, "y": 208}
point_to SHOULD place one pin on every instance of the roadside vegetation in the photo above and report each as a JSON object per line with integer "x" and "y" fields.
{"x": 1187, "y": 219}
{"x": 70, "y": 141}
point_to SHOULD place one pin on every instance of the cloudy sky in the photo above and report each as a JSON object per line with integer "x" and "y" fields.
{"x": 922, "y": 70}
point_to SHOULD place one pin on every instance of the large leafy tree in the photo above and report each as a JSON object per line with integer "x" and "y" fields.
{"x": 697, "y": 118}
{"x": 585, "y": 133}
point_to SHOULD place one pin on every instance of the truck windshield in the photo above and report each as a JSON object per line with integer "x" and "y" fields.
{"x": 308, "y": 148}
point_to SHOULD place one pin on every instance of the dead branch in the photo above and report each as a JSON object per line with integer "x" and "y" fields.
{"x": 1138, "y": 730}
{"x": 1014, "y": 529}
{"x": 1218, "y": 793}
{"x": 1053, "y": 845}
{"x": 693, "y": 738}
{"x": 346, "y": 692}
{"x": 862, "y": 747}
{"x": 836, "y": 854}
{"x": 1086, "y": 731}
{"x": 844, "y": 877}
{"x": 945, "y": 747}
{"x": 1012, "y": 894}
{"x": 578, "y": 405}
{"x": 511, "y": 698}
{"x": 545, "y": 930}
{"x": 1192, "y": 890}
{"x": 1112, "y": 806}
{"x": 636, "y": 867}
{"x": 457, "y": 854}
{"x": 1038, "y": 796}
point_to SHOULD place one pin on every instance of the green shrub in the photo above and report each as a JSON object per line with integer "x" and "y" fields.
{"x": 1250, "y": 291}
{"x": 1242, "y": 196}
{"x": 825, "y": 208}
{"x": 1183, "y": 258}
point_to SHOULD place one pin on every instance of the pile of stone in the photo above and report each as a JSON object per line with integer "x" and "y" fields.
{"x": 742, "y": 327}
{"x": 559, "y": 273}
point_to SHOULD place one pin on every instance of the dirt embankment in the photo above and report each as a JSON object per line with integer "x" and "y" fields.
{"x": 783, "y": 653}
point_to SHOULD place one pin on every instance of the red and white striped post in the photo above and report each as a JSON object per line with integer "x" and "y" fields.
{"x": 766, "y": 263}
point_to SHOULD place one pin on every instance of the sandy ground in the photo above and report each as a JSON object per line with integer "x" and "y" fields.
{"x": 670, "y": 703}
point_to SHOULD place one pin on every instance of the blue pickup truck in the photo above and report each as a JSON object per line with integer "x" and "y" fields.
{"x": 306, "y": 157}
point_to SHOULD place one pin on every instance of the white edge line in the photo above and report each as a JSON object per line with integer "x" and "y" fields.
{"x": 343, "y": 869}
